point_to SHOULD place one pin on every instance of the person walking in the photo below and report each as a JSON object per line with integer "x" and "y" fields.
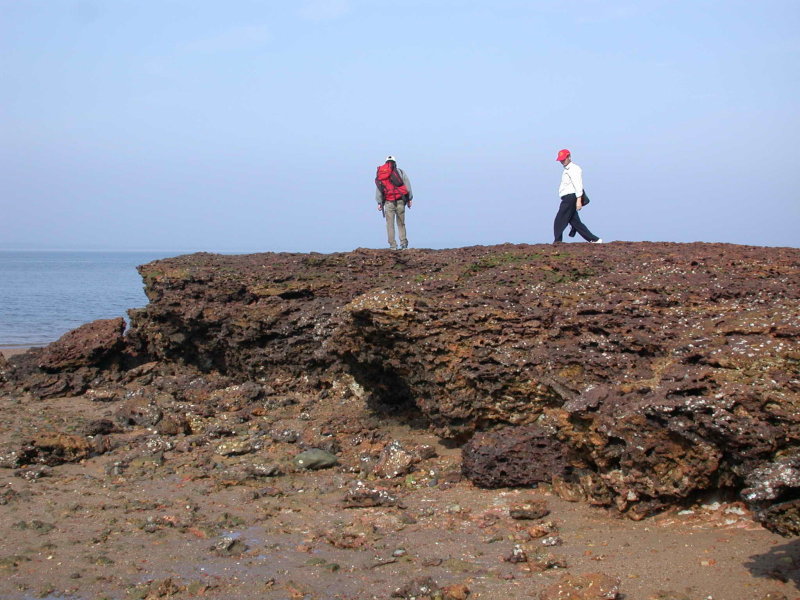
{"x": 393, "y": 194}
{"x": 571, "y": 191}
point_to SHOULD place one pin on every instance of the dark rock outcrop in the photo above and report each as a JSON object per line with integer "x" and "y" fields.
{"x": 53, "y": 448}
{"x": 94, "y": 344}
{"x": 773, "y": 491}
{"x": 515, "y": 456}
{"x": 653, "y": 372}
{"x": 69, "y": 364}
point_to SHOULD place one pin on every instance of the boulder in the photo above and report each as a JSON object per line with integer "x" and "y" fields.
{"x": 514, "y": 456}
{"x": 90, "y": 345}
{"x": 315, "y": 459}
{"x": 54, "y": 448}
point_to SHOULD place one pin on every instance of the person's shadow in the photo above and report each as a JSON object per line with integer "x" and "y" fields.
{"x": 781, "y": 563}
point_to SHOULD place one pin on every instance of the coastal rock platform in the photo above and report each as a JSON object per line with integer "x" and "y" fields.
{"x": 647, "y": 379}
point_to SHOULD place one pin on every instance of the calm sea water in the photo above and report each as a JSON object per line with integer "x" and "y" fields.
{"x": 45, "y": 294}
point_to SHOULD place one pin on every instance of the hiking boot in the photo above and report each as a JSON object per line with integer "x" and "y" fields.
{"x": 597, "y": 241}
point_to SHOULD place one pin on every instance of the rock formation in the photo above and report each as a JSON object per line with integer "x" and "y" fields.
{"x": 631, "y": 375}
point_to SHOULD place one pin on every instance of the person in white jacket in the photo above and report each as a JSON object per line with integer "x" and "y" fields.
{"x": 570, "y": 191}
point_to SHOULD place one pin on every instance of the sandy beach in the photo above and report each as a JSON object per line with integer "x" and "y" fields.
{"x": 9, "y": 351}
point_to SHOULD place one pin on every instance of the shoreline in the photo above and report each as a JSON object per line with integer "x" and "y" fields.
{"x": 9, "y": 351}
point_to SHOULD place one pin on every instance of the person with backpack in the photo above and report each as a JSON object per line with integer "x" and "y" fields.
{"x": 393, "y": 194}
{"x": 573, "y": 198}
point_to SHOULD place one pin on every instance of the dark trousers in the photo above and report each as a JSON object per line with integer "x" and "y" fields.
{"x": 568, "y": 215}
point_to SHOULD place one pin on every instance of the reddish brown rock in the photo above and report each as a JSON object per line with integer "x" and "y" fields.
{"x": 139, "y": 411}
{"x": 173, "y": 424}
{"x": 90, "y": 345}
{"x": 530, "y": 511}
{"x": 421, "y": 587}
{"x": 514, "y": 456}
{"x": 457, "y": 591}
{"x": 394, "y": 461}
{"x": 361, "y": 496}
{"x": 53, "y": 448}
{"x": 68, "y": 365}
{"x": 781, "y": 517}
{"x": 773, "y": 490}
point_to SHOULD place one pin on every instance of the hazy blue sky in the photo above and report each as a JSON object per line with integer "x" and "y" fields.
{"x": 257, "y": 125}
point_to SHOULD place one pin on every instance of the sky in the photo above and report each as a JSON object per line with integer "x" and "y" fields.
{"x": 257, "y": 125}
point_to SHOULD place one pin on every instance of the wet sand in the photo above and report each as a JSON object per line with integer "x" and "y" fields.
{"x": 9, "y": 351}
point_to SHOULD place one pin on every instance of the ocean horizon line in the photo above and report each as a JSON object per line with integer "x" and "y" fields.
{"x": 123, "y": 251}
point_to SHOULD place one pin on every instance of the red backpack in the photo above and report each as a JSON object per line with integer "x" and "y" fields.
{"x": 390, "y": 182}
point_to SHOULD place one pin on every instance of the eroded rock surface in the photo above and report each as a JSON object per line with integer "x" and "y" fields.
{"x": 652, "y": 373}
{"x": 515, "y": 456}
{"x": 92, "y": 344}
{"x": 68, "y": 365}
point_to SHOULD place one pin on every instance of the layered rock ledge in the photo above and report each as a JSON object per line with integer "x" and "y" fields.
{"x": 629, "y": 375}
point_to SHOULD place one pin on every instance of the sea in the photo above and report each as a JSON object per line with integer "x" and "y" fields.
{"x": 46, "y": 294}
